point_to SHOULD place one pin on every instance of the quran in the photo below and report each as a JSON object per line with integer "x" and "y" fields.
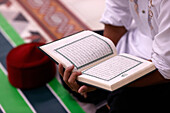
{"x": 96, "y": 57}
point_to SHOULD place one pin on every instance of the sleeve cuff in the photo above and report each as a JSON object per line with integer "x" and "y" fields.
{"x": 161, "y": 65}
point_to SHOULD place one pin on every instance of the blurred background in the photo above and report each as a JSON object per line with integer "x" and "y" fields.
{"x": 27, "y": 21}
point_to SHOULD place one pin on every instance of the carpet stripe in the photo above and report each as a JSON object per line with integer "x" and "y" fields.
{"x": 26, "y": 100}
{"x": 64, "y": 95}
{"x": 5, "y": 47}
{"x": 10, "y": 99}
{"x": 43, "y": 100}
{"x": 1, "y": 109}
{"x": 14, "y": 36}
{"x": 61, "y": 102}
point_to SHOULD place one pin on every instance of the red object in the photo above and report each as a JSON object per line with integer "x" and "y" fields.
{"x": 28, "y": 67}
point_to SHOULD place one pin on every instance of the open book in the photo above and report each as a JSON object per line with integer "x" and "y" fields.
{"x": 98, "y": 60}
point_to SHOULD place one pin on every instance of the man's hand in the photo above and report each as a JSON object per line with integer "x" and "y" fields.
{"x": 70, "y": 77}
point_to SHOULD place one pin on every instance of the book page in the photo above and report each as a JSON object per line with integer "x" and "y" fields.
{"x": 112, "y": 68}
{"x": 85, "y": 51}
{"x": 116, "y": 72}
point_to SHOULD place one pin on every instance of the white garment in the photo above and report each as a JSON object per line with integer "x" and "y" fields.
{"x": 148, "y": 25}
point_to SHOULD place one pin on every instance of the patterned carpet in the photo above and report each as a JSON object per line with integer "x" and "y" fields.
{"x": 24, "y": 21}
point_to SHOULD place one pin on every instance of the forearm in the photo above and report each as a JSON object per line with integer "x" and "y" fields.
{"x": 150, "y": 79}
{"x": 114, "y": 32}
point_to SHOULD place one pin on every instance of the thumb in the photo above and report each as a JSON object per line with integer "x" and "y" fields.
{"x": 85, "y": 89}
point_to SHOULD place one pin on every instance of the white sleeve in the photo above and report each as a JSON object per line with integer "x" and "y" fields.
{"x": 117, "y": 13}
{"x": 161, "y": 43}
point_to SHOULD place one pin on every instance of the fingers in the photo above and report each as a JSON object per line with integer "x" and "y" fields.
{"x": 60, "y": 69}
{"x": 73, "y": 77}
{"x": 67, "y": 73}
{"x": 84, "y": 89}
{"x": 70, "y": 77}
{"x": 72, "y": 81}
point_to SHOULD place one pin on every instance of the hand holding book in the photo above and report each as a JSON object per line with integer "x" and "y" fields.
{"x": 96, "y": 57}
{"x": 70, "y": 78}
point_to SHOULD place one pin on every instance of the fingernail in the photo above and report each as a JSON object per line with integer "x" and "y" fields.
{"x": 79, "y": 72}
{"x": 70, "y": 66}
